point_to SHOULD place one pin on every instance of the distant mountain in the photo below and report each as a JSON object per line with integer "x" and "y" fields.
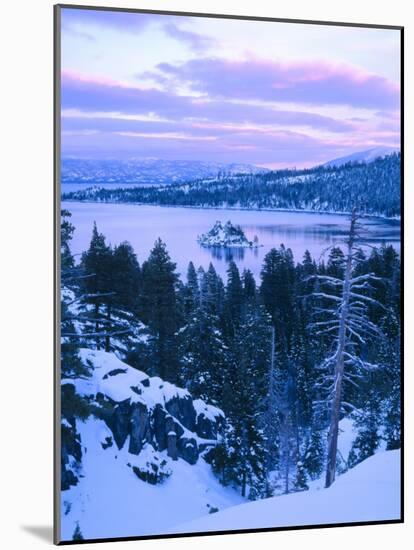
{"x": 363, "y": 156}
{"x": 154, "y": 171}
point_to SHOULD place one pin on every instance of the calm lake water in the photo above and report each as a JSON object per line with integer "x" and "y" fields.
{"x": 179, "y": 228}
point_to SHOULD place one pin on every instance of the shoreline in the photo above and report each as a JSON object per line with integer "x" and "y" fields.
{"x": 236, "y": 208}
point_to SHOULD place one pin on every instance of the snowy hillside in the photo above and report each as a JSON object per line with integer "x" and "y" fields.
{"x": 375, "y": 185}
{"x": 143, "y": 444}
{"x": 363, "y": 156}
{"x": 368, "y": 492}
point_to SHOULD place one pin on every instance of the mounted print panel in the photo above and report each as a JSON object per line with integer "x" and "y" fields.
{"x": 229, "y": 274}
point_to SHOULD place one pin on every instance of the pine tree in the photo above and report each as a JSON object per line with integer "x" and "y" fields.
{"x": 159, "y": 312}
{"x": 314, "y": 458}
{"x": 308, "y": 264}
{"x": 335, "y": 266}
{"x": 97, "y": 264}
{"x": 66, "y": 233}
{"x": 234, "y": 300}
{"x": 203, "y": 356}
{"x": 71, "y": 365}
{"x": 368, "y": 418}
{"x": 211, "y": 290}
{"x": 192, "y": 290}
{"x": 77, "y": 534}
{"x": 249, "y": 285}
{"x": 277, "y": 290}
{"x": 126, "y": 278}
{"x": 300, "y": 483}
{"x": 368, "y": 438}
{"x": 302, "y": 395}
{"x": 246, "y": 405}
{"x": 389, "y": 358}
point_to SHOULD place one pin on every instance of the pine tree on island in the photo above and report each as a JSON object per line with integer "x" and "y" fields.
{"x": 227, "y": 235}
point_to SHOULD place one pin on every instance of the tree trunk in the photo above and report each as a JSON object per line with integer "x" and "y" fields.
{"x": 287, "y": 459}
{"x": 270, "y": 412}
{"x": 98, "y": 344}
{"x": 243, "y": 487}
{"x": 340, "y": 362}
{"x": 334, "y": 426}
{"x": 107, "y": 337}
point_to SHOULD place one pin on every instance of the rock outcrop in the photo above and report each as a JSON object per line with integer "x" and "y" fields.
{"x": 147, "y": 414}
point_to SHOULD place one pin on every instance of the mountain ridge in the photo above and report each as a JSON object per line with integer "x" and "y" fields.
{"x": 368, "y": 155}
{"x": 147, "y": 171}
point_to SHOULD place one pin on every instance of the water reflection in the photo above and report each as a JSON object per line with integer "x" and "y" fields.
{"x": 227, "y": 253}
{"x": 179, "y": 228}
{"x": 319, "y": 232}
{"x": 231, "y": 253}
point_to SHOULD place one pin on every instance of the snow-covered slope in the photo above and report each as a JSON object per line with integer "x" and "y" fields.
{"x": 363, "y": 156}
{"x": 110, "y": 501}
{"x": 368, "y": 492}
{"x": 135, "y": 466}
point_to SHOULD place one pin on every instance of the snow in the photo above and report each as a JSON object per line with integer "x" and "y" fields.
{"x": 226, "y": 235}
{"x": 368, "y": 492}
{"x": 110, "y": 500}
{"x": 363, "y": 156}
{"x": 119, "y": 387}
{"x": 209, "y": 411}
{"x": 347, "y": 435}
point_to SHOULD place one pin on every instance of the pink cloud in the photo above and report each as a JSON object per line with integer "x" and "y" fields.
{"x": 316, "y": 83}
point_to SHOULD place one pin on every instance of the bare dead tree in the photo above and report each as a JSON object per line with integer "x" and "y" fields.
{"x": 346, "y": 320}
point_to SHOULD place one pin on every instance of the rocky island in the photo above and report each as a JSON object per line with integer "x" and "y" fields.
{"x": 226, "y": 235}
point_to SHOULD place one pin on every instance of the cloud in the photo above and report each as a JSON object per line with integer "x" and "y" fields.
{"x": 118, "y": 20}
{"x": 131, "y": 22}
{"x": 104, "y": 95}
{"x": 102, "y": 117}
{"x": 312, "y": 83}
{"x": 279, "y": 147}
{"x": 196, "y": 41}
{"x": 113, "y": 138}
{"x": 198, "y": 128}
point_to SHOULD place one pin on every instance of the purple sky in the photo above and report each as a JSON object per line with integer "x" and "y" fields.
{"x": 186, "y": 88}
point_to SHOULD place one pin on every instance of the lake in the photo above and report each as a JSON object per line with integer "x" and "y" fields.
{"x": 179, "y": 227}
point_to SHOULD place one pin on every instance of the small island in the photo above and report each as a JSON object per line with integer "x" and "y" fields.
{"x": 227, "y": 235}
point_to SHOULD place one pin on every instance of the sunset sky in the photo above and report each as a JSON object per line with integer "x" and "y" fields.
{"x": 190, "y": 88}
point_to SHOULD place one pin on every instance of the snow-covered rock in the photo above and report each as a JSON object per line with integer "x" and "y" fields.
{"x": 135, "y": 466}
{"x": 144, "y": 413}
{"x": 226, "y": 235}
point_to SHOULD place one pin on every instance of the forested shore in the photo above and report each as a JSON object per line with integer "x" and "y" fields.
{"x": 374, "y": 186}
